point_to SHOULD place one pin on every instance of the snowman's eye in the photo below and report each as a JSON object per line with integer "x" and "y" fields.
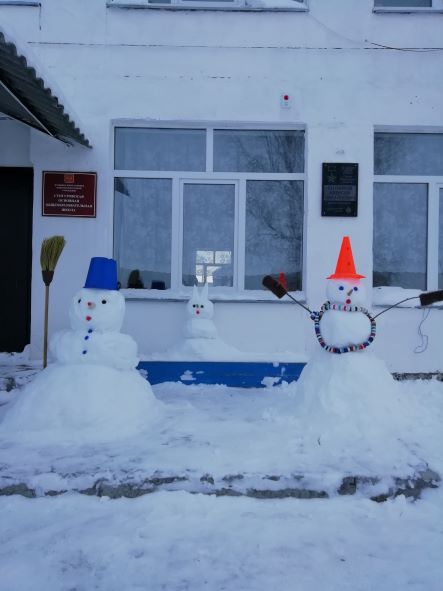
{"x": 341, "y": 288}
{"x": 194, "y": 305}
{"x": 103, "y": 301}
{"x": 355, "y": 288}
{"x": 202, "y": 306}
{"x": 79, "y": 300}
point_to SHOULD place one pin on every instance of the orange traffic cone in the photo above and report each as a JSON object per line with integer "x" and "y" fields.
{"x": 345, "y": 268}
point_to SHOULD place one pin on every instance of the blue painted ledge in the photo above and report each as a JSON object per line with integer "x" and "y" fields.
{"x": 230, "y": 373}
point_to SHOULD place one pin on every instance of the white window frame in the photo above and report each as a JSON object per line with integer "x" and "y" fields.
{"x": 437, "y": 7}
{"x": 237, "y": 283}
{"x": 433, "y": 182}
{"x": 19, "y": 3}
{"x": 237, "y": 292}
{"x": 241, "y": 5}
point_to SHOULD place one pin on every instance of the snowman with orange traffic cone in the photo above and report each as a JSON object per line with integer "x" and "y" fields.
{"x": 343, "y": 324}
{"x": 346, "y": 399}
{"x": 345, "y": 388}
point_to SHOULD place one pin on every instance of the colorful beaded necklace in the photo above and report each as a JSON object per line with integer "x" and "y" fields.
{"x": 317, "y": 316}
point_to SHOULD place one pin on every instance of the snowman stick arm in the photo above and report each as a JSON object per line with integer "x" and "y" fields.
{"x": 394, "y": 305}
{"x": 426, "y": 299}
{"x": 278, "y": 290}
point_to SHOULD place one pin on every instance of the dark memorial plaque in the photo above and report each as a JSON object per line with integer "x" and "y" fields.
{"x": 339, "y": 196}
{"x": 69, "y": 194}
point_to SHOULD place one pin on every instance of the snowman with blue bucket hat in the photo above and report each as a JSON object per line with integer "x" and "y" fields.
{"x": 96, "y": 314}
{"x": 93, "y": 392}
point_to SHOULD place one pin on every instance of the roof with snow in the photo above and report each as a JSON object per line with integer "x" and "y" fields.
{"x": 25, "y": 96}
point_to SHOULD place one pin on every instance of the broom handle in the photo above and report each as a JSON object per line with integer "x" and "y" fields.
{"x": 299, "y": 303}
{"x": 45, "y": 340}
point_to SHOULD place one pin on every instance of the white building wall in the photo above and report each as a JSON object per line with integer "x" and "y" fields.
{"x": 14, "y": 143}
{"x": 112, "y": 64}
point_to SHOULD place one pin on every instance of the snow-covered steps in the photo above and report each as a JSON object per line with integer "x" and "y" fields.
{"x": 299, "y": 486}
{"x": 242, "y": 374}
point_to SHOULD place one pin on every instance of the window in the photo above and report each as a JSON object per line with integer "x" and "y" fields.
{"x": 297, "y": 5}
{"x": 403, "y": 3}
{"x": 19, "y": 3}
{"x": 408, "y": 218}
{"x": 142, "y": 231}
{"x": 216, "y": 205}
{"x": 408, "y": 5}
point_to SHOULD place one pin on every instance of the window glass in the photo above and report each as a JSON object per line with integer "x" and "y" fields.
{"x": 208, "y": 234}
{"x": 142, "y": 232}
{"x": 160, "y": 149}
{"x": 258, "y": 150}
{"x": 408, "y": 153}
{"x": 403, "y": 3}
{"x": 400, "y": 234}
{"x": 274, "y": 232}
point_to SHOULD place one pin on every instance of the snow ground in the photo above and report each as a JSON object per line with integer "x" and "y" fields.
{"x": 221, "y": 432}
{"x": 175, "y": 541}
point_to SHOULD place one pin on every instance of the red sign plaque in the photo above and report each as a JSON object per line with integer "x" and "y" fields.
{"x": 69, "y": 194}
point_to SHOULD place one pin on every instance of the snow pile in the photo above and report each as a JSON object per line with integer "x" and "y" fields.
{"x": 82, "y": 403}
{"x": 217, "y": 350}
{"x": 16, "y": 358}
{"x": 350, "y": 405}
{"x": 198, "y": 349}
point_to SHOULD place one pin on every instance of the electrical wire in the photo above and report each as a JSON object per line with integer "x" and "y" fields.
{"x": 361, "y": 42}
{"x": 424, "y": 337}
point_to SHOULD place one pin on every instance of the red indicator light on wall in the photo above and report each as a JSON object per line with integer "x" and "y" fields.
{"x": 285, "y": 100}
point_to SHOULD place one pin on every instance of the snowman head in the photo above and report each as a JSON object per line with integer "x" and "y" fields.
{"x": 345, "y": 286}
{"x": 99, "y": 306}
{"x": 199, "y": 306}
{"x": 350, "y": 292}
{"x": 97, "y": 309}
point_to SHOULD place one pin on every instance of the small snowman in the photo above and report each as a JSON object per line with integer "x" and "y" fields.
{"x": 96, "y": 314}
{"x": 201, "y": 341}
{"x": 200, "y": 310}
{"x": 93, "y": 392}
{"x": 343, "y": 324}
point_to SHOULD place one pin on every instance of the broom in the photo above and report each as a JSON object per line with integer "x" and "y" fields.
{"x": 279, "y": 290}
{"x": 49, "y": 255}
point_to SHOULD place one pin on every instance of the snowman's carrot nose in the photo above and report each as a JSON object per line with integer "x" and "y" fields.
{"x": 91, "y": 305}
{"x": 350, "y": 291}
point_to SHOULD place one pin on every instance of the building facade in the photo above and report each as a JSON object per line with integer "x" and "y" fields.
{"x": 211, "y": 126}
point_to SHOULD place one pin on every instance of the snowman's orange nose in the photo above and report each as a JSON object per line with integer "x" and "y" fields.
{"x": 350, "y": 291}
{"x": 91, "y": 305}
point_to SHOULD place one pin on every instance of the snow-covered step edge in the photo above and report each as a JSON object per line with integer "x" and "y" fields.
{"x": 376, "y": 488}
